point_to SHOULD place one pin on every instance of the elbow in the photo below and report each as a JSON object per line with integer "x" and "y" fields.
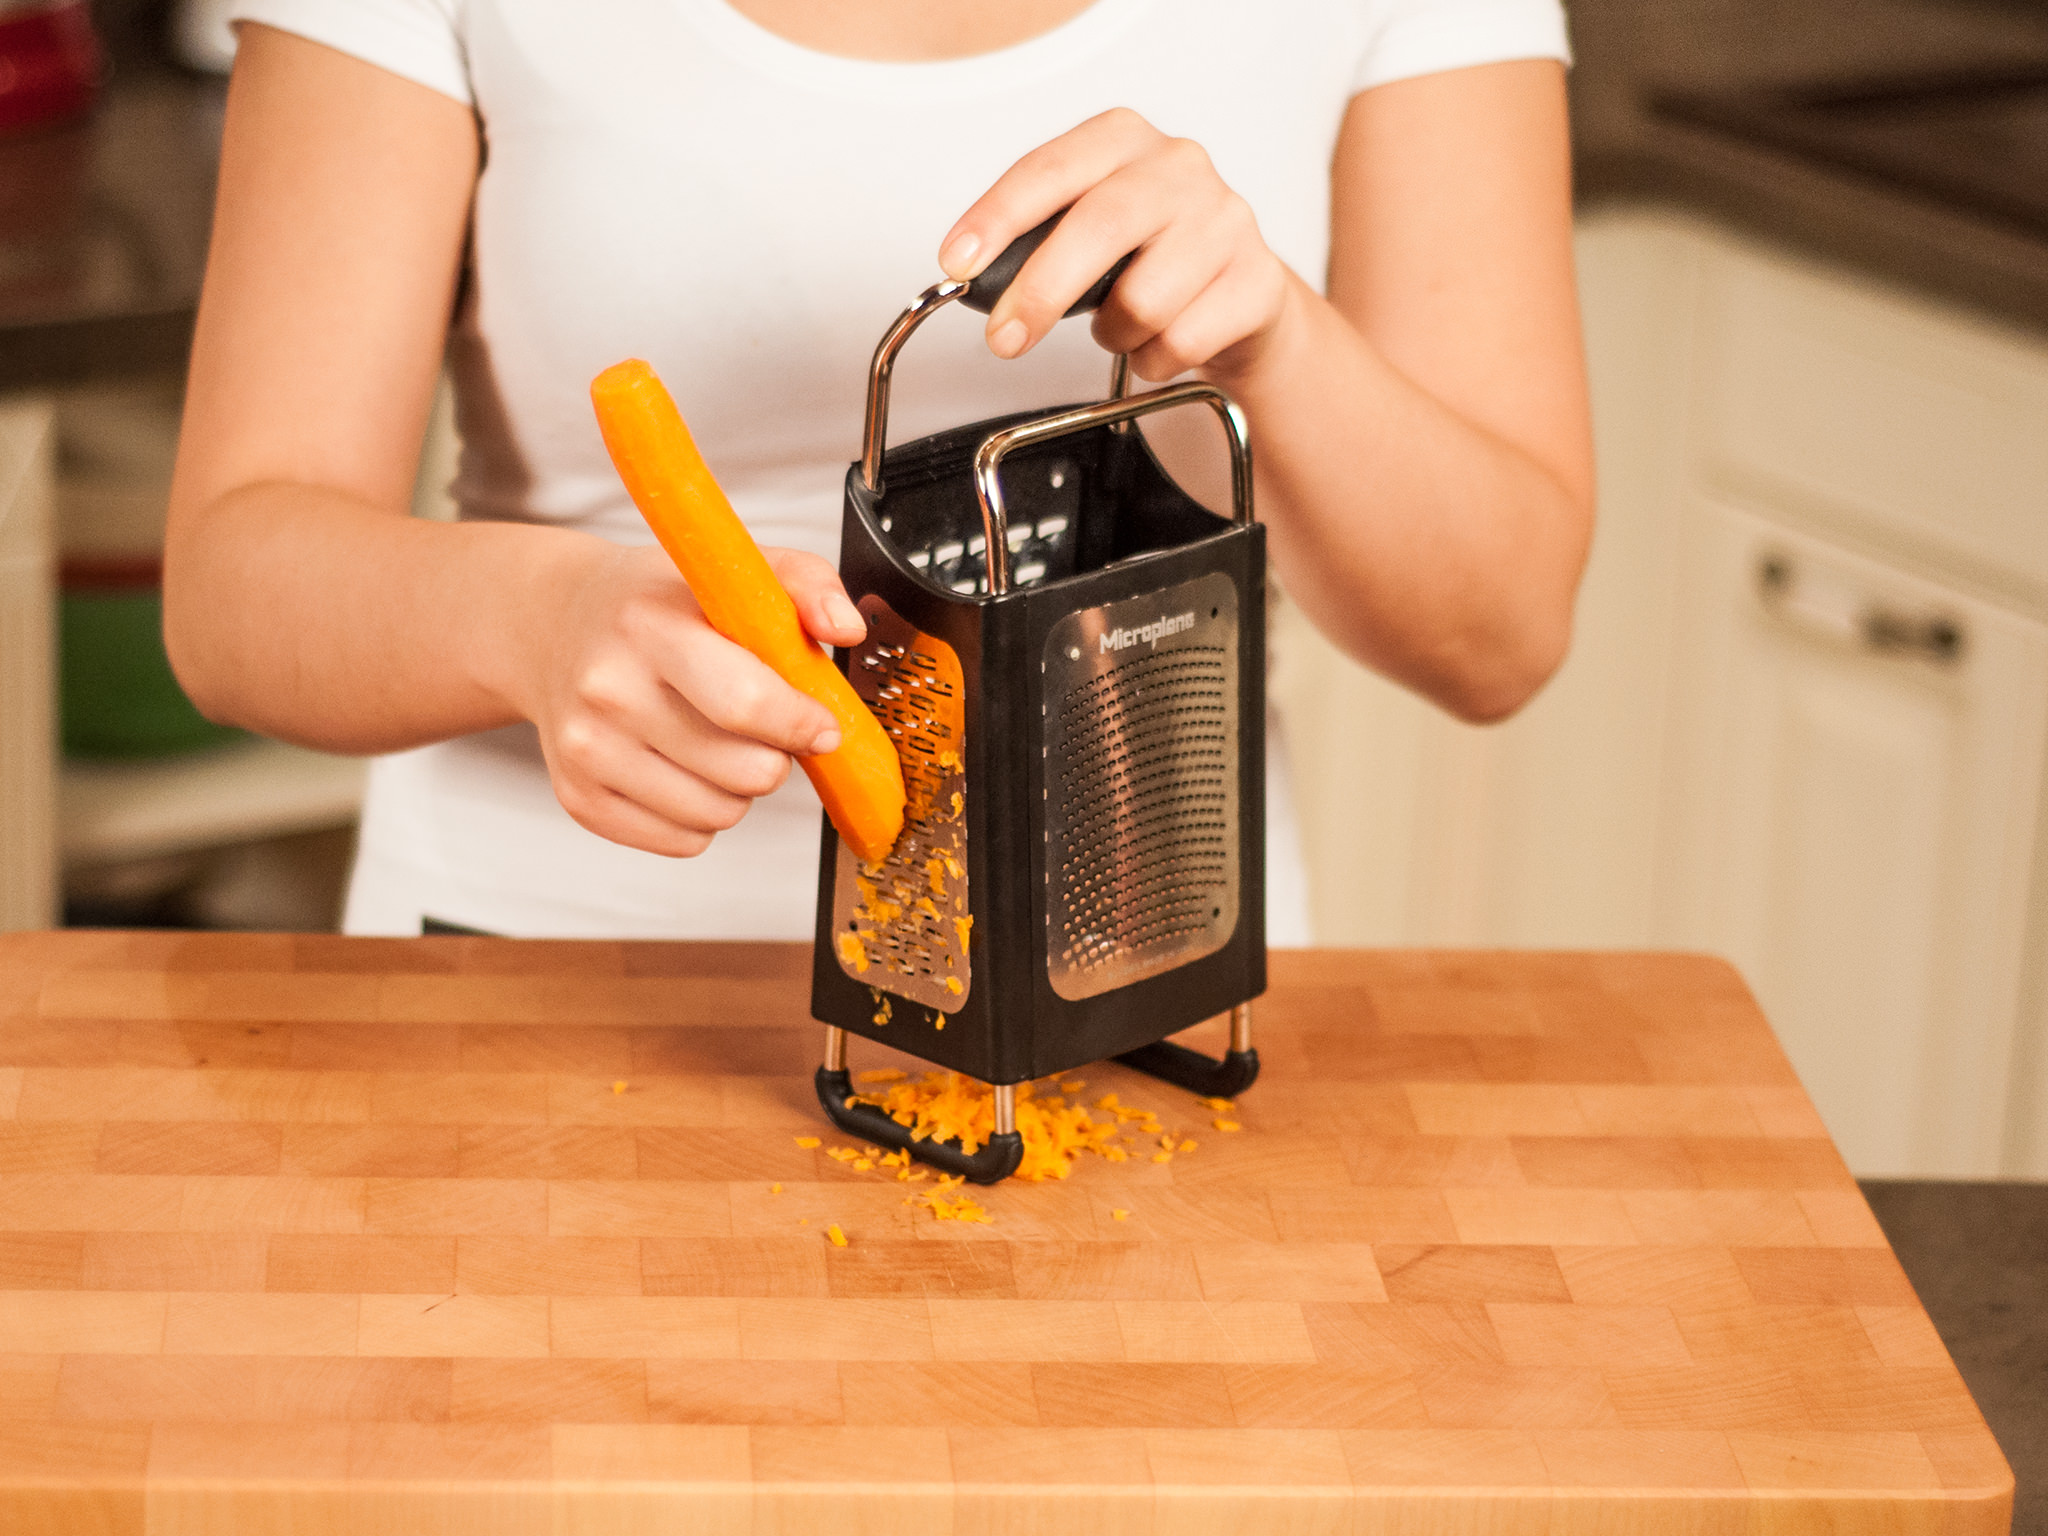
{"x": 1511, "y": 645}
{"x": 1492, "y": 681}
{"x": 185, "y": 644}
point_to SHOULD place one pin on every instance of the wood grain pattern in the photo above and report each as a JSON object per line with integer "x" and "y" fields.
{"x": 325, "y": 1235}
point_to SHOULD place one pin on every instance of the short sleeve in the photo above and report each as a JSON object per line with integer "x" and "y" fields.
{"x": 1423, "y": 37}
{"x": 419, "y": 39}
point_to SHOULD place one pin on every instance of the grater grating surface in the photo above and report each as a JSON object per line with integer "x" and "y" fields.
{"x": 902, "y": 927}
{"x": 1141, "y": 786}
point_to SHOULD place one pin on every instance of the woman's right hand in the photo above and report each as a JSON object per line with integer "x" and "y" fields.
{"x": 658, "y": 731}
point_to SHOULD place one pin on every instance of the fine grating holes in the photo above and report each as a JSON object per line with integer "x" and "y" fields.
{"x": 1145, "y": 785}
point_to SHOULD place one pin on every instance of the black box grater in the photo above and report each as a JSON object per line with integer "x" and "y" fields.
{"x": 1069, "y": 651}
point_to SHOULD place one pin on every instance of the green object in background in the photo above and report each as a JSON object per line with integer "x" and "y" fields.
{"x": 117, "y": 693}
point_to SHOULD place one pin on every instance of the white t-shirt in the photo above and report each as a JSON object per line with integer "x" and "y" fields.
{"x": 666, "y": 179}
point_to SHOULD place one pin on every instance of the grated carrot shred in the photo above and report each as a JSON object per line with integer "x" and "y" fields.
{"x": 619, "y": 1086}
{"x": 1221, "y": 1106}
{"x": 853, "y": 952}
{"x": 774, "y": 1189}
{"x": 946, "y": 1107}
{"x": 807, "y": 1142}
{"x": 835, "y": 1236}
{"x": 1228, "y": 1125}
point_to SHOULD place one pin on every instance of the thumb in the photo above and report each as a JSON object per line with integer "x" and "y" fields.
{"x": 821, "y": 601}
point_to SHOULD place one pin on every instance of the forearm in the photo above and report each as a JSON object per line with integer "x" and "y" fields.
{"x": 1423, "y": 544}
{"x": 306, "y": 615}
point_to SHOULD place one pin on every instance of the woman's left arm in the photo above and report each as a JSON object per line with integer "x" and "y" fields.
{"x": 1424, "y": 455}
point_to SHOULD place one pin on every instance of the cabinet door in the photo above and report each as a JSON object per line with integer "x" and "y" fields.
{"x": 1856, "y": 760}
{"x": 28, "y": 880}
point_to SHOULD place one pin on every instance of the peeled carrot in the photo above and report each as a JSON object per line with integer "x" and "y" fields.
{"x": 860, "y": 780}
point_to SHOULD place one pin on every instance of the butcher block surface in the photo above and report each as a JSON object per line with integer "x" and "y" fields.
{"x": 467, "y": 1235}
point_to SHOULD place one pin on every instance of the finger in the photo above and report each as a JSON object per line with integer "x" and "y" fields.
{"x": 1163, "y": 280}
{"x": 729, "y": 685}
{"x": 598, "y": 808}
{"x": 1126, "y": 211}
{"x": 1239, "y": 304}
{"x": 821, "y": 602}
{"x": 659, "y": 786}
{"x": 1040, "y": 185}
{"x": 635, "y": 702}
{"x": 737, "y": 692}
{"x": 616, "y": 819}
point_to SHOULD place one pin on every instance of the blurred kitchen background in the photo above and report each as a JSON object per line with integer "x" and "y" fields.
{"x": 1803, "y": 724}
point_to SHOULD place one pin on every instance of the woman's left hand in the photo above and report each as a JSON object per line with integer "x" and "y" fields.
{"x": 1203, "y": 290}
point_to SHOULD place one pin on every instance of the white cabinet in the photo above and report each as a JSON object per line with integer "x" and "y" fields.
{"x": 1851, "y": 802}
{"x": 28, "y": 884}
{"x": 1727, "y": 763}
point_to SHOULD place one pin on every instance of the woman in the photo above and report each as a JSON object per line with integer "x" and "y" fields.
{"x": 1353, "y": 215}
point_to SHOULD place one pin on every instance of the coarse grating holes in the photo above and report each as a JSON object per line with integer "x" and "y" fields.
{"x": 903, "y": 925}
{"x": 1144, "y": 780}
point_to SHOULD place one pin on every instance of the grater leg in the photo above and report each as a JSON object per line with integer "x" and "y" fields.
{"x": 995, "y": 1162}
{"x": 1199, "y": 1074}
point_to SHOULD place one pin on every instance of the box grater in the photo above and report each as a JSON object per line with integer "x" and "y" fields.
{"x": 1069, "y": 652}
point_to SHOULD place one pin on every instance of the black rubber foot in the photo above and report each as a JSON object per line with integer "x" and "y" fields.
{"x": 1199, "y": 1074}
{"x": 995, "y": 1162}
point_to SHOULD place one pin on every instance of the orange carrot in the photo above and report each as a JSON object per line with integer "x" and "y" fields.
{"x": 860, "y": 780}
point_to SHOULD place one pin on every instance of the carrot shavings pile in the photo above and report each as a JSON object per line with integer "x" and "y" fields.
{"x": 944, "y": 1106}
{"x": 947, "y": 1205}
{"x": 1056, "y": 1127}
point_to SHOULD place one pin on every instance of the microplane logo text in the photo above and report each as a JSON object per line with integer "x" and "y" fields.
{"x": 1147, "y": 634}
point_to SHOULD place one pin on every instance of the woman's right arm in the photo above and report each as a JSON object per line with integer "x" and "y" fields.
{"x": 299, "y": 598}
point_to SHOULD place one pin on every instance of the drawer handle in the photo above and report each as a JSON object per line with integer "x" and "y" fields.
{"x": 1839, "y": 615}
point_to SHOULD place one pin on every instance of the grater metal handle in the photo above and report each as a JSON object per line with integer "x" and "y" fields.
{"x": 984, "y": 291}
{"x": 988, "y": 458}
{"x": 981, "y": 294}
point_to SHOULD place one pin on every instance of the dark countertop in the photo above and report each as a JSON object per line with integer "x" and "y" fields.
{"x": 1977, "y": 1254}
{"x": 103, "y": 224}
{"x": 1630, "y": 52}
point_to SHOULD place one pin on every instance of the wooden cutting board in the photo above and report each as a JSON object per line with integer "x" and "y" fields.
{"x": 460, "y": 1235}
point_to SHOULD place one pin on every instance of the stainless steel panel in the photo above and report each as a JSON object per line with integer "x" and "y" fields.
{"x": 1141, "y": 786}
{"x": 901, "y": 927}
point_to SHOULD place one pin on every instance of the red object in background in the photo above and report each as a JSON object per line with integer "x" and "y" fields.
{"x": 49, "y": 63}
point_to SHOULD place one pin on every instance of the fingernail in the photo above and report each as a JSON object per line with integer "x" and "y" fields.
{"x": 1007, "y": 340}
{"x": 825, "y": 741}
{"x": 954, "y": 258}
{"x": 843, "y": 614}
